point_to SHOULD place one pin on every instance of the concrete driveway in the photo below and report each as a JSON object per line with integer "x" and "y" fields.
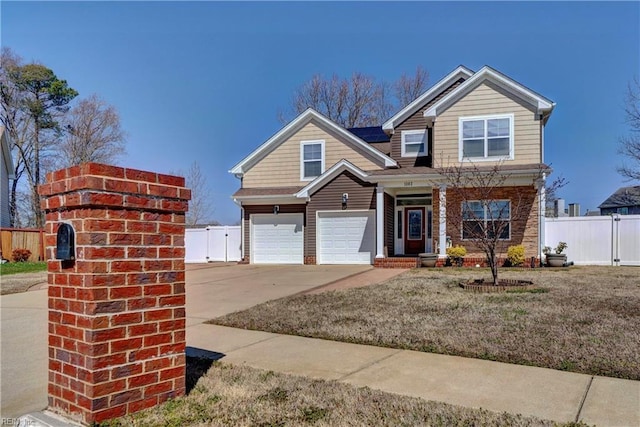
{"x": 212, "y": 290}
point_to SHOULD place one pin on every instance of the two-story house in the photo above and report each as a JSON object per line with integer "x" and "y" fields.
{"x": 318, "y": 193}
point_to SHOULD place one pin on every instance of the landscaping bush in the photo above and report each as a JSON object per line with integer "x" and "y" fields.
{"x": 456, "y": 251}
{"x": 21, "y": 255}
{"x": 515, "y": 255}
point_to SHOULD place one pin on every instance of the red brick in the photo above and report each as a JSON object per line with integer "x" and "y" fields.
{"x": 142, "y": 227}
{"x": 91, "y": 238}
{"x": 142, "y": 252}
{"x": 121, "y": 186}
{"x": 177, "y": 348}
{"x": 110, "y": 306}
{"x": 171, "y": 301}
{"x": 106, "y": 334}
{"x": 162, "y": 191}
{"x": 174, "y": 205}
{"x": 154, "y": 340}
{"x": 124, "y": 214}
{"x": 125, "y": 239}
{"x": 143, "y": 404}
{"x": 169, "y": 228}
{"x": 125, "y": 397}
{"x": 156, "y": 240}
{"x": 91, "y": 266}
{"x": 143, "y": 329}
{"x": 162, "y": 289}
{"x": 140, "y": 202}
{"x": 126, "y": 370}
{"x": 126, "y": 266}
{"x": 106, "y": 361}
{"x": 102, "y": 170}
{"x": 126, "y": 319}
{"x": 153, "y": 315}
{"x": 101, "y": 199}
{"x": 103, "y": 252}
{"x": 141, "y": 303}
{"x": 157, "y": 364}
{"x": 69, "y": 395}
{"x": 68, "y": 293}
{"x": 171, "y": 325}
{"x": 138, "y": 175}
{"x": 141, "y": 278}
{"x": 105, "y": 279}
{"x": 142, "y": 380}
{"x": 157, "y": 265}
{"x": 172, "y": 180}
{"x": 107, "y": 414}
{"x": 144, "y": 354}
{"x": 156, "y": 389}
{"x": 125, "y": 292}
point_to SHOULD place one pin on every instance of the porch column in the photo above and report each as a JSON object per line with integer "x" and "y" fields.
{"x": 442, "y": 232}
{"x": 379, "y": 221}
{"x": 542, "y": 194}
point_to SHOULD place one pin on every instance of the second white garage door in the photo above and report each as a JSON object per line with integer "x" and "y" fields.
{"x": 346, "y": 237}
{"x": 277, "y": 239}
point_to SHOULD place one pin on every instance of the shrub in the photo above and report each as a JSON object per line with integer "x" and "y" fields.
{"x": 21, "y": 255}
{"x": 456, "y": 251}
{"x": 515, "y": 255}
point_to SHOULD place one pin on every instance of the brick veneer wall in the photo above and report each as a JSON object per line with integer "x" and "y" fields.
{"x": 524, "y": 224}
{"x": 116, "y": 313}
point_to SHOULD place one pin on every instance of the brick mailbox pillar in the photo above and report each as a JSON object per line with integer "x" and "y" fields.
{"x": 116, "y": 312}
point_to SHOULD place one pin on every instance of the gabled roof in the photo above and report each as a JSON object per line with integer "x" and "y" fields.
{"x": 294, "y": 126}
{"x": 541, "y": 104}
{"x": 328, "y": 175}
{"x": 461, "y": 72}
{"x": 7, "y": 160}
{"x": 623, "y": 197}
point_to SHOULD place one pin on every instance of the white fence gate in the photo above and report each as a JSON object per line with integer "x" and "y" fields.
{"x": 597, "y": 240}
{"x": 215, "y": 243}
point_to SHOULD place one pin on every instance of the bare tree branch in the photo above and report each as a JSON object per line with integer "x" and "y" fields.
{"x": 92, "y": 133}
{"x": 201, "y": 205}
{"x": 629, "y": 145}
{"x": 409, "y": 88}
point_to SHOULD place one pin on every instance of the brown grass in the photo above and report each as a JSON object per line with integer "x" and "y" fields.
{"x": 588, "y": 321}
{"x": 241, "y": 396}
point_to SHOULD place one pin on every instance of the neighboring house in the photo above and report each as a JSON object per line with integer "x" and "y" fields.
{"x": 6, "y": 174}
{"x": 625, "y": 201}
{"x": 317, "y": 193}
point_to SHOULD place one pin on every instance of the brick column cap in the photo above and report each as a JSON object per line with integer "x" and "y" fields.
{"x": 95, "y": 184}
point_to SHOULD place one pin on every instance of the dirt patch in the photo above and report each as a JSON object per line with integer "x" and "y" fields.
{"x": 503, "y": 285}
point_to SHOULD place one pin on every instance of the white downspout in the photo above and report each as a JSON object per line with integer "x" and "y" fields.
{"x": 442, "y": 215}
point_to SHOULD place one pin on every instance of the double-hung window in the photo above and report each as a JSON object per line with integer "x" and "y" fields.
{"x": 486, "y": 137}
{"x": 311, "y": 159}
{"x": 486, "y": 218}
{"x": 414, "y": 143}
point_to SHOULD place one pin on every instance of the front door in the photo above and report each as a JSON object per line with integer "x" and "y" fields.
{"x": 414, "y": 235}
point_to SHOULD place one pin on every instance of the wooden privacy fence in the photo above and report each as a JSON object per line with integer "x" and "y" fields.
{"x": 597, "y": 240}
{"x": 22, "y": 238}
{"x": 219, "y": 243}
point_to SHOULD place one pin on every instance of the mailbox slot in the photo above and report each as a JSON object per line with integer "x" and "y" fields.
{"x": 65, "y": 243}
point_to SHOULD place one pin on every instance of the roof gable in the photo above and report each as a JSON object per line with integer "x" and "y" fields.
{"x": 328, "y": 175}
{"x": 294, "y": 126}
{"x": 430, "y": 94}
{"x": 539, "y": 103}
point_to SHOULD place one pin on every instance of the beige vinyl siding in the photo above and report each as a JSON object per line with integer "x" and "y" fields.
{"x": 485, "y": 100}
{"x": 281, "y": 167}
{"x": 362, "y": 196}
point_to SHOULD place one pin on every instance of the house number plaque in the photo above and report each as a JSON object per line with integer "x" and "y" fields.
{"x": 408, "y": 183}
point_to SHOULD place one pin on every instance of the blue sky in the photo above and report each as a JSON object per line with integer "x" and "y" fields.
{"x": 204, "y": 81}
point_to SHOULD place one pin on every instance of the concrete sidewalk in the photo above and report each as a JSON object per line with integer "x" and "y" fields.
{"x": 544, "y": 393}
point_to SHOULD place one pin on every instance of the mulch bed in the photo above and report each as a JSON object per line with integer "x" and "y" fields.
{"x": 483, "y": 285}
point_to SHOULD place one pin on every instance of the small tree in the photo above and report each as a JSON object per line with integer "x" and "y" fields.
{"x": 630, "y": 145}
{"x": 201, "y": 204}
{"x": 478, "y": 210}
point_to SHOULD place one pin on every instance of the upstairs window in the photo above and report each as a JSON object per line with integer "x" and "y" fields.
{"x": 486, "y": 137}
{"x": 486, "y": 218}
{"x": 311, "y": 159}
{"x": 414, "y": 143}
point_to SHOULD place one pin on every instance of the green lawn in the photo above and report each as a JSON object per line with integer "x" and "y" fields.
{"x": 22, "y": 267}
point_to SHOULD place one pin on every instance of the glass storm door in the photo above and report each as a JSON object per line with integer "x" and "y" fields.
{"x": 414, "y": 231}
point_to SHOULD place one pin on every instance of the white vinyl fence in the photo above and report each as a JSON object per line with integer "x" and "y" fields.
{"x": 214, "y": 243}
{"x": 597, "y": 240}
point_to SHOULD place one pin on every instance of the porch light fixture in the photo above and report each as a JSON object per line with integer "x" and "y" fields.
{"x": 276, "y": 209}
{"x": 345, "y": 198}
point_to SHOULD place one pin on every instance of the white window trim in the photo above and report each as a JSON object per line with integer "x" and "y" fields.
{"x": 486, "y": 158}
{"x": 484, "y": 205}
{"x": 312, "y": 142}
{"x": 415, "y": 132}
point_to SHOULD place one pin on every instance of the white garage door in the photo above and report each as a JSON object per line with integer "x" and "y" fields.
{"x": 346, "y": 237}
{"x": 277, "y": 239}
